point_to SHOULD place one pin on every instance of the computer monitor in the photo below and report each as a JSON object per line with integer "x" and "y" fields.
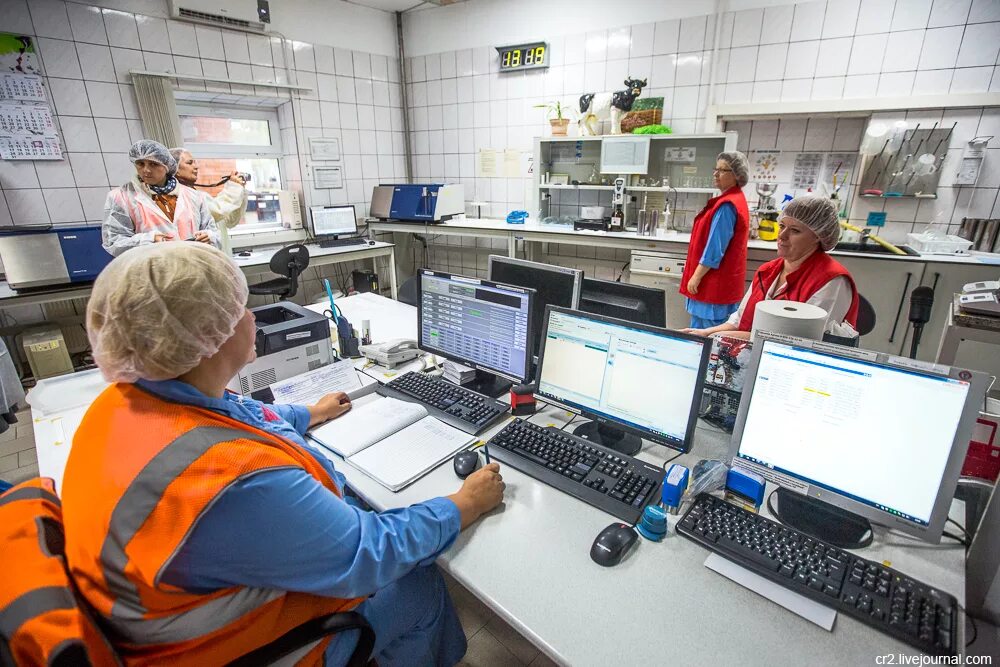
{"x": 851, "y": 436}
{"x": 554, "y": 285}
{"x": 633, "y": 381}
{"x": 642, "y": 305}
{"x": 479, "y": 323}
{"x": 333, "y": 221}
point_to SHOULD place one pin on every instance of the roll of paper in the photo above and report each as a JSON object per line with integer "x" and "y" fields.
{"x": 802, "y": 320}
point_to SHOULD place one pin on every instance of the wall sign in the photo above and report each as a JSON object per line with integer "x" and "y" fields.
{"x": 523, "y": 56}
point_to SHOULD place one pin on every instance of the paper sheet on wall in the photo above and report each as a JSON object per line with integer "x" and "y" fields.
{"x": 764, "y": 166}
{"x": 21, "y": 147}
{"x": 17, "y": 54}
{"x": 805, "y": 172}
{"x": 486, "y": 163}
{"x": 24, "y": 87}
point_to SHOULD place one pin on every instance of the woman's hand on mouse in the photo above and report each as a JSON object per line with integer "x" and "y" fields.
{"x": 481, "y": 492}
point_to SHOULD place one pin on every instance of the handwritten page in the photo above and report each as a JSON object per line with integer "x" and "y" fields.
{"x": 364, "y": 425}
{"x": 313, "y": 385}
{"x": 409, "y": 454}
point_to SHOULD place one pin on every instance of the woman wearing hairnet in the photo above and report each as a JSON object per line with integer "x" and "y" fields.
{"x": 227, "y": 207}
{"x": 717, "y": 254}
{"x": 803, "y": 271}
{"x": 201, "y": 524}
{"x": 153, "y": 206}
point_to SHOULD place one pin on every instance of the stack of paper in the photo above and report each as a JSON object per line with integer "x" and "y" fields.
{"x": 392, "y": 441}
{"x": 458, "y": 373}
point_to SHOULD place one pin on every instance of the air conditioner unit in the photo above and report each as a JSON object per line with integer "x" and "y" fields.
{"x": 245, "y": 15}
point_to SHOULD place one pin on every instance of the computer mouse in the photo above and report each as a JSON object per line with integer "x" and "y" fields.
{"x": 466, "y": 463}
{"x": 612, "y": 544}
{"x": 371, "y": 243}
{"x": 245, "y": 253}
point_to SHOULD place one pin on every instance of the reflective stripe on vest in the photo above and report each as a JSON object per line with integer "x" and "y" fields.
{"x": 34, "y": 603}
{"x": 28, "y": 493}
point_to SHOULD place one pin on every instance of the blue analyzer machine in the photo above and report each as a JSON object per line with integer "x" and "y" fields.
{"x": 417, "y": 202}
{"x": 52, "y": 256}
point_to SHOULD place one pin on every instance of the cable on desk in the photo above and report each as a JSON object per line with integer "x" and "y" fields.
{"x": 671, "y": 460}
{"x": 960, "y": 540}
{"x": 571, "y": 420}
{"x": 959, "y": 526}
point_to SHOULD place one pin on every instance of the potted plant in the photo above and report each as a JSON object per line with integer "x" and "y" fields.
{"x": 554, "y": 112}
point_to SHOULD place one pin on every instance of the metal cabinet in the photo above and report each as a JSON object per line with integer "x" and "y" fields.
{"x": 886, "y": 284}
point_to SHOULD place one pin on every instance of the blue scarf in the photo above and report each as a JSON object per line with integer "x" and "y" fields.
{"x": 166, "y": 188}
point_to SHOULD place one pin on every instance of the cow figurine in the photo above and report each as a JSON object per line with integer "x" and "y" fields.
{"x": 602, "y": 105}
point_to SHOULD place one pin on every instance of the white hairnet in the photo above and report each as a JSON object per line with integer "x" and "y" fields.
{"x": 147, "y": 149}
{"x": 818, "y": 214}
{"x": 157, "y": 310}
{"x": 738, "y": 162}
{"x": 176, "y": 153}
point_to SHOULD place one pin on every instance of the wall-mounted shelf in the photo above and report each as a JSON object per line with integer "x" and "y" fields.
{"x": 550, "y": 186}
{"x": 891, "y": 197}
{"x": 660, "y": 188}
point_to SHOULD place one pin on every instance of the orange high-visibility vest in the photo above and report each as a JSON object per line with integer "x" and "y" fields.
{"x": 41, "y": 622}
{"x": 141, "y": 473}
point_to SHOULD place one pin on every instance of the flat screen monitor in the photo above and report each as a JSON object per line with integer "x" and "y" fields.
{"x": 643, "y": 381}
{"x": 479, "y": 323}
{"x": 879, "y": 436}
{"x": 553, "y": 285}
{"x": 333, "y": 220}
{"x": 642, "y": 305}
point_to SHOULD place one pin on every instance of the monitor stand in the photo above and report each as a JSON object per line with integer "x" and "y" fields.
{"x": 609, "y": 436}
{"x": 489, "y": 384}
{"x": 822, "y": 520}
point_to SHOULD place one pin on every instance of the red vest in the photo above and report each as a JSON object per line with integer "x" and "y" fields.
{"x": 818, "y": 269}
{"x": 724, "y": 284}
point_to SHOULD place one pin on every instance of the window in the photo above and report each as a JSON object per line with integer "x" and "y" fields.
{"x": 231, "y": 138}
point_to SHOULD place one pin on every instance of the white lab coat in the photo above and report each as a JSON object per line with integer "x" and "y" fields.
{"x": 227, "y": 208}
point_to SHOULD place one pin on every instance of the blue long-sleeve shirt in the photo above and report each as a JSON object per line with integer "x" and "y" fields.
{"x": 283, "y": 529}
{"x": 719, "y": 235}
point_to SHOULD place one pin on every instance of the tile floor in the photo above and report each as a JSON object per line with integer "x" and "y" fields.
{"x": 17, "y": 450}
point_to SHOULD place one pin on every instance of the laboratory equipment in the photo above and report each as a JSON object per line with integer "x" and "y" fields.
{"x": 617, "y": 206}
{"x": 642, "y": 305}
{"x": 416, "y": 202}
{"x": 47, "y": 353}
{"x": 52, "y": 256}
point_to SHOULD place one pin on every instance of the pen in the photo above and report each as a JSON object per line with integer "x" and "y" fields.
{"x": 486, "y": 450}
{"x": 329, "y": 293}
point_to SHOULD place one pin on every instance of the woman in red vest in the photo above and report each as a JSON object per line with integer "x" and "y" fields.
{"x": 802, "y": 272}
{"x": 717, "y": 255}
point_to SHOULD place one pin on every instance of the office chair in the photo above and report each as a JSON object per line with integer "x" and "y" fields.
{"x": 291, "y": 261}
{"x": 866, "y": 316}
{"x": 408, "y": 291}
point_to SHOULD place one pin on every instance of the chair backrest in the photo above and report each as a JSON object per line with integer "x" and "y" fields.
{"x": 290, "y": 261}
{"x": 866, "y": 316}
{"x": 41, "y": 619}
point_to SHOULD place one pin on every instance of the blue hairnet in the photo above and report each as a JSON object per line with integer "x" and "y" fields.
{"x": 147, "y": 149}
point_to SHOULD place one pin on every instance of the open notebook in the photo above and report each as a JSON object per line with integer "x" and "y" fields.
{"x": 392, "y": 441}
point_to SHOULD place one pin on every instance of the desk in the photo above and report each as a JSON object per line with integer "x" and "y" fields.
{"x": 529, "y": 561}
{"x": 961, "y": 326}
{"x": 257, "y": 263}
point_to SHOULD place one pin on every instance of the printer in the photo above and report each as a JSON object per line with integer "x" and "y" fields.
{"x": 52, "y": 256}
{"x": 290, "y": 341}
{"x": 414, "y": 202}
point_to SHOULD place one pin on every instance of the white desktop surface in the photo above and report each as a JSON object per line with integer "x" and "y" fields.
{"x": 529, "y": 561}
{"x": 261, "y": 255}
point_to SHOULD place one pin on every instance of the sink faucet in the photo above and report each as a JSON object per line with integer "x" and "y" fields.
{"x": 865, "y": 234}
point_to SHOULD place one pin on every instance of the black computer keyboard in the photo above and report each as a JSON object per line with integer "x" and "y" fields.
{"x": 337, "y": 243}
{"x": 879, "y": 596}
{"x": 618, "y": 484}
{"x": 466, "y": 410}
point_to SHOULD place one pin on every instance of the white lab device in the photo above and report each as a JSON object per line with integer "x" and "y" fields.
{"x": 982, "y": 286}
{"x": 391, "y": 353}
{"x": 291, "y": 210}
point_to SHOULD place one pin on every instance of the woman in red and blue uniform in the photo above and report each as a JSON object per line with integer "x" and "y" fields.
{"x": 717, "y": 254}
{"x": 803, "y": 271}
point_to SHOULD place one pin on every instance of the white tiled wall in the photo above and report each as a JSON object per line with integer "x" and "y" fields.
{"x": 86, "y": 53}
{"x": 460, "y": 103}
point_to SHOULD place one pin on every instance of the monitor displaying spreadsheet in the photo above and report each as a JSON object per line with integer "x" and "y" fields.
{"x": 476, "y": 322}
{"x": 333, "y": 221}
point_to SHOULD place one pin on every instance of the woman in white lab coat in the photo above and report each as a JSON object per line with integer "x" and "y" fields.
{"x": 153, "y": 207}
{"x": 227, "y": 207}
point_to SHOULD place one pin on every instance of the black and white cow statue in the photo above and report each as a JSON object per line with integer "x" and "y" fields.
{"x": 599, "y": 106}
